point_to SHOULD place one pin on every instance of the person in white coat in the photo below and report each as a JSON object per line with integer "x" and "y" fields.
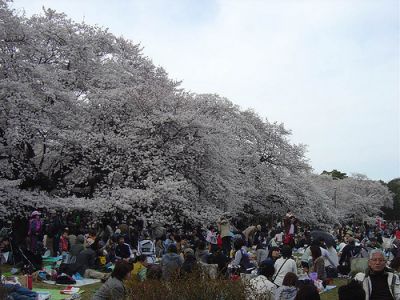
{"x": 284, "y": 265}
{"x": 379, "y": 283}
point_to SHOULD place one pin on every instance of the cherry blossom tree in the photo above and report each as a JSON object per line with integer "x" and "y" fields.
{"x": 88, "y": 122}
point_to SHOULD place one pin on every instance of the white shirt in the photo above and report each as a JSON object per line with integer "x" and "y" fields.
{"x": 283, "y": 268}
{"x": 291, "y": 229}
{"x": 279, "y": 237}
{"x": 333, "y": 257}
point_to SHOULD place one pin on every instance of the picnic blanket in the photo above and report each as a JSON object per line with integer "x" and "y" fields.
{"x": 79, "y": 283}
{"x": 50, "y": 259}
{"x": 55, "y": 294}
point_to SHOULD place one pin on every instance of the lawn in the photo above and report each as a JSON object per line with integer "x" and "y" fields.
{"x": 333, "y": 294}
{"x": 89, "y": 290}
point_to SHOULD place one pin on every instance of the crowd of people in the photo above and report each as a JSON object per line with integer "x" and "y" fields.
{"x": 284, "y": 260}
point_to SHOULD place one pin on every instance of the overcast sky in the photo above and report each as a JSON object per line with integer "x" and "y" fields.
{"x": 327, "y": 69}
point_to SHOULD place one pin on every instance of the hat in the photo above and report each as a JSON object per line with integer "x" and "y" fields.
{"x": 89, "y": 242}
{"x": 188, "y": 251}
{"x": 35, "y": 213}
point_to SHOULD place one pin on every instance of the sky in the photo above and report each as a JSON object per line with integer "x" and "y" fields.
{"x": 328, "y": 69}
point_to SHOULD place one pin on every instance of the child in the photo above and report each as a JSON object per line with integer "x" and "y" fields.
{"x": 288, "y": 289}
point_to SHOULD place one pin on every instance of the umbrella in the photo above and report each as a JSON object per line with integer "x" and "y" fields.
{"x": 325, "y": 236}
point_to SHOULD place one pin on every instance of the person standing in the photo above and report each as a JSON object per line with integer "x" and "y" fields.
{"x": 249, "y": 234}
{"x": 224, "y": 229}
{"x": 35, "y": 232}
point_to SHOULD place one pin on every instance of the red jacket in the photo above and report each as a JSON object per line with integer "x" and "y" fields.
{"x": 63, "y": 244}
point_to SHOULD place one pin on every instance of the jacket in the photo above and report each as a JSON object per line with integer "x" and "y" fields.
{"x": 283, "y": 266}
{"x": 77, "y": 247}
{"x": 224, "y": 227}
{"x": 112, "y": 289}
{"x": 260, "y": 286}
{"x": 249, "y": 232}
{"x": 392, "y": 279}
{"x": 86, "y": 259}
{"x": 286, "y": 293}
{"x": 170, "y": 265}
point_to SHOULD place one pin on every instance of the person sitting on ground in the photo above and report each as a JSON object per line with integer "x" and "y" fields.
{"x": 308, "y": 292}
{"x": 304, "y": 241}
{"x": 318, "y": 262}
{"x": 202, "y": 253}
{"x": 373, "y": 244}
{"x": 190, "y": 262}
{"x": 262, "y": 285}
{"x": 219, "y": 258}
{"x": 139, "y": 272}
{"x": 284, "y": 265}
{"x": 123, "y": 250}
{"x": 242, "y": 259}
{"x": 351, "y": 291}
{"x": 273, "y": 255}
{"x": 114, "y": 287}
{"x": 76, "y": 248}
{"x": 109, "y": 249}
{"x": 378, "y": 281}
{"x": 348, "y": 252}
{"x": 170, "y": 239}
{"x": 328, "y": 255}
{"x": 288, "y": 290}
{"x": 85, "y": 263}
{"x": 71, "y": 237}
{"x": 171, "y": 263}
{"x": 261, "y": 252}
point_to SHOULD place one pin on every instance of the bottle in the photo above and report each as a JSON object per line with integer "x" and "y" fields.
{"x": 29, "y": 281}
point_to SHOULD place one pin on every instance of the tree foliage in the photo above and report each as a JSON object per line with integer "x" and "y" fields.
{"x": 335, "y": 174}
{"x": 87, "y": 121}
{"x": 394, "y": 212}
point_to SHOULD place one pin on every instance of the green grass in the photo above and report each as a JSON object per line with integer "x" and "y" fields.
{"x": 333, "y": 294}
{"x": 89, "y": 290}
